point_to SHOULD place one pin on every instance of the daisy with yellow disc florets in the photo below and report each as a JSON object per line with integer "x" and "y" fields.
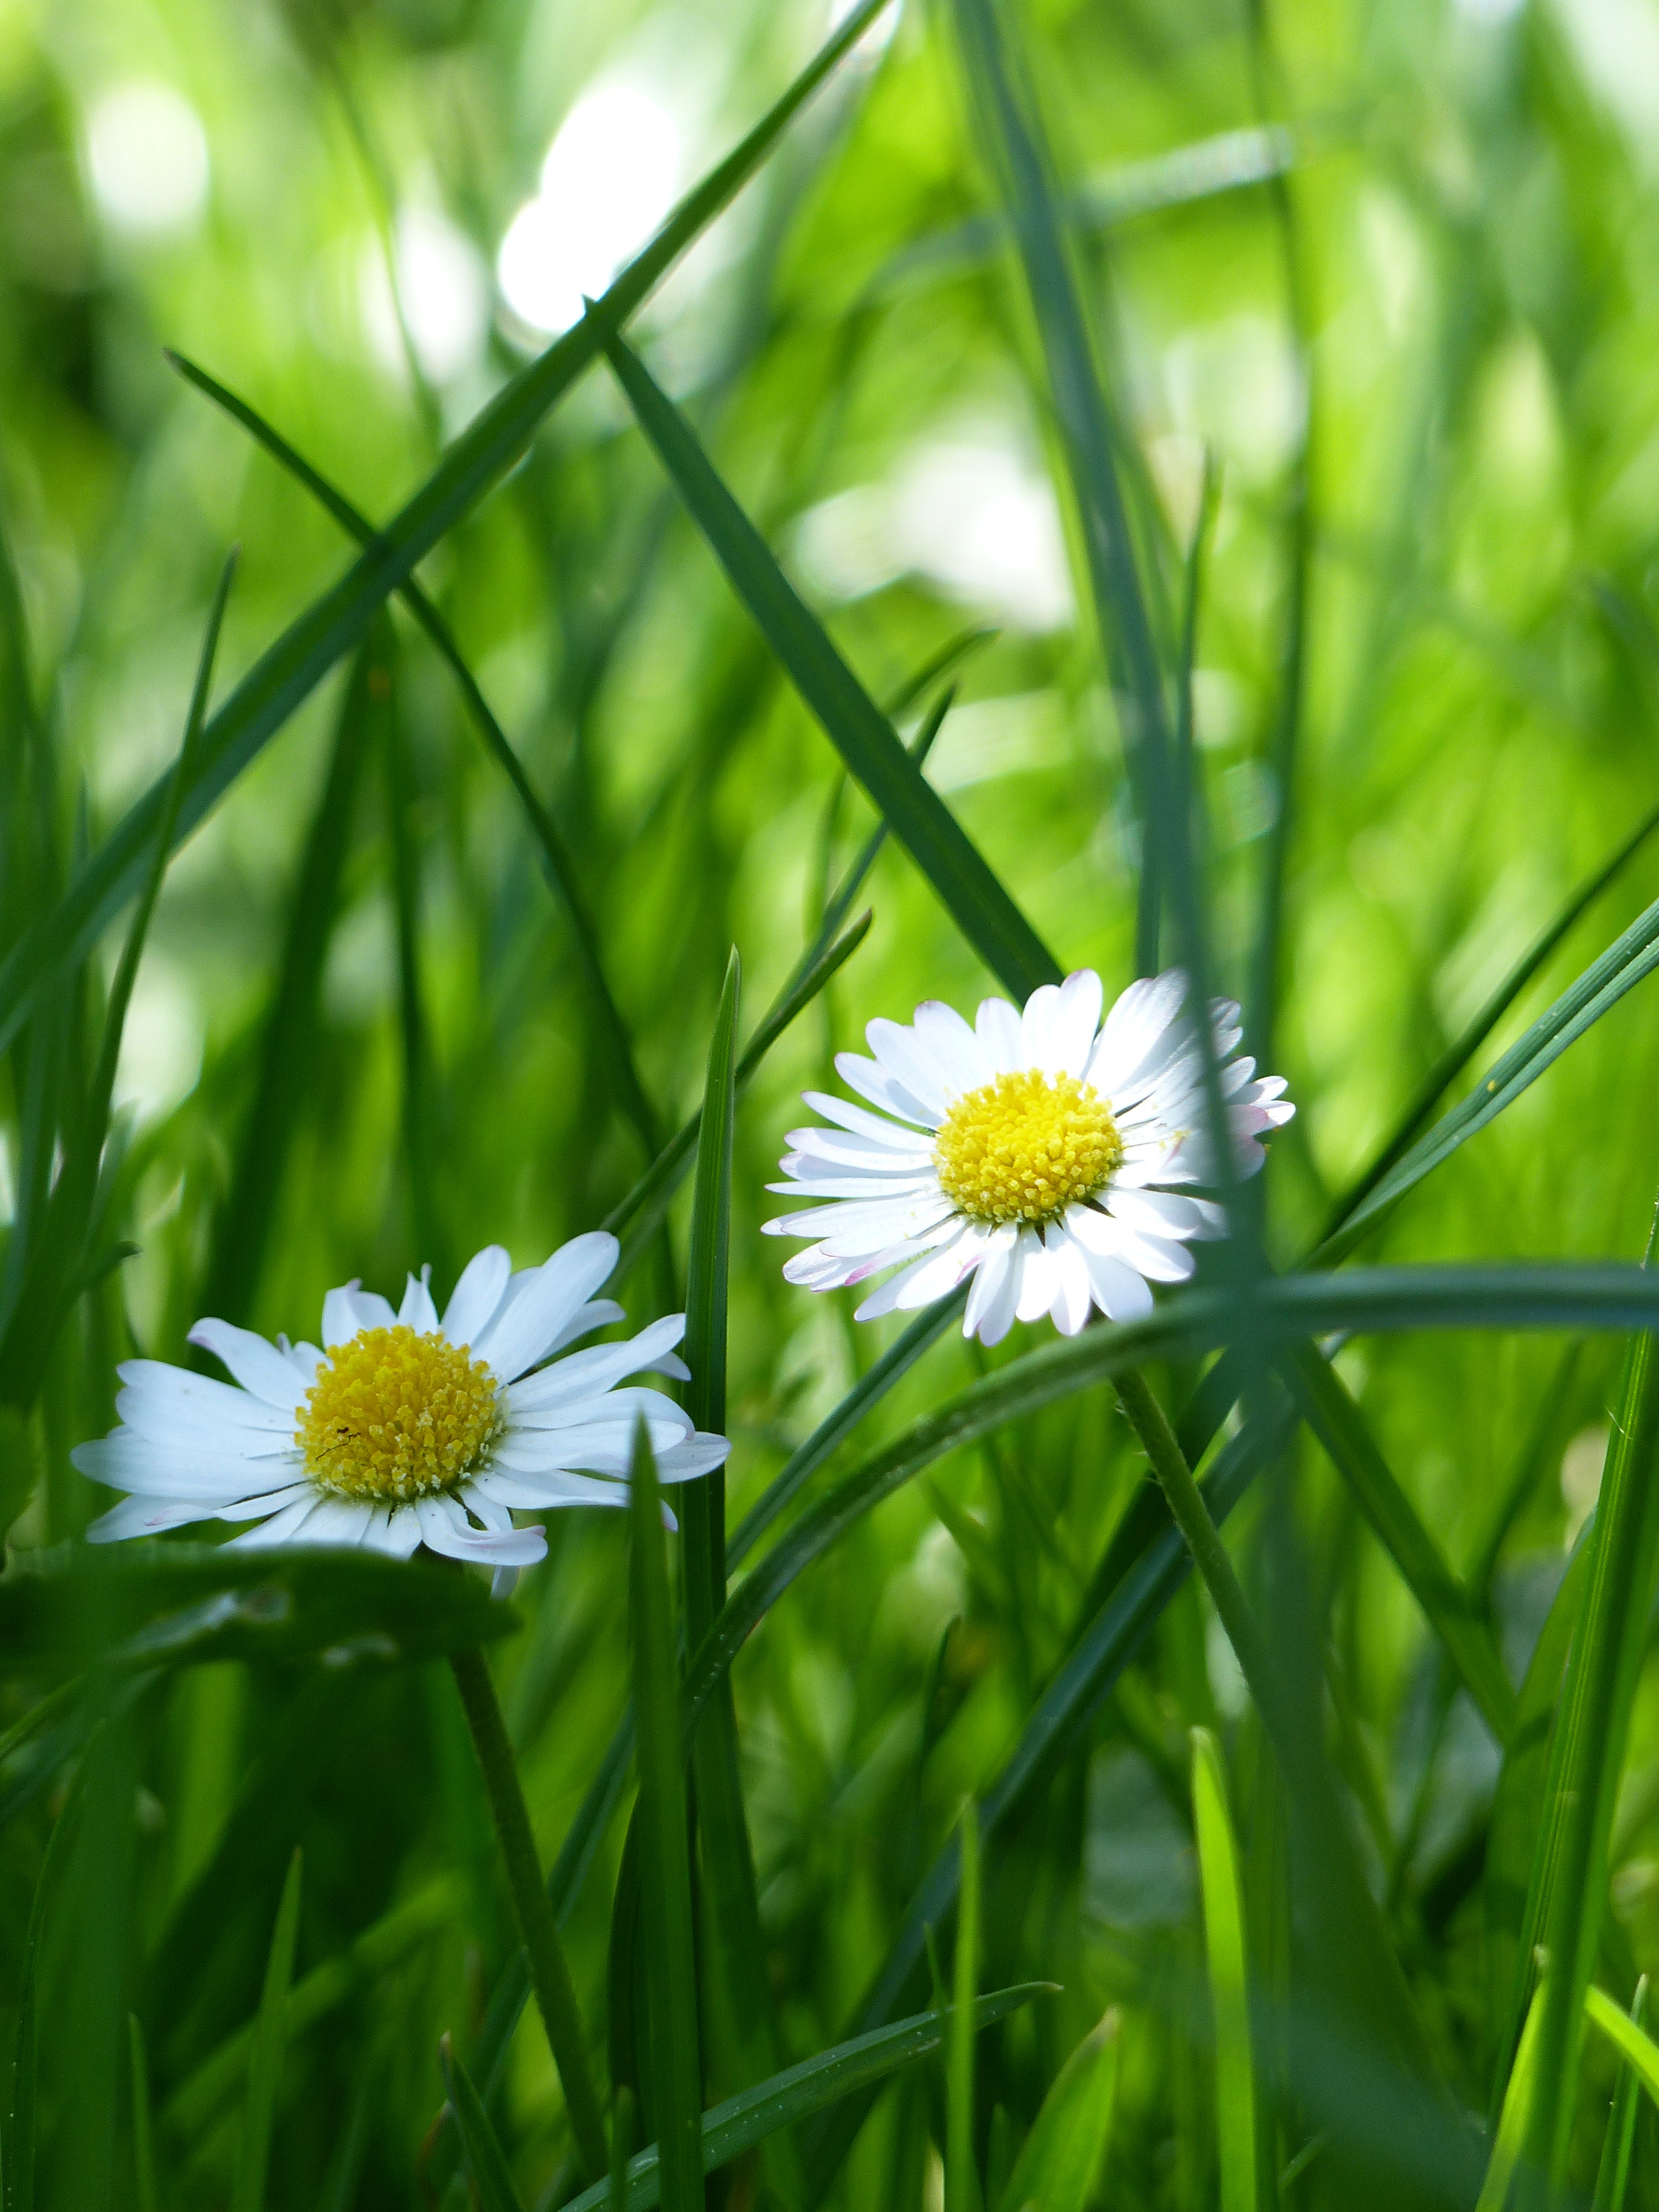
{"x": 1043, "y": 1153}
{"x": 406, "y": 1429}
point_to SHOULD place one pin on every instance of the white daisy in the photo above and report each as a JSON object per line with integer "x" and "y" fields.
{"x": 1033, "y": 1151}
{"x": 406, "y": 1429}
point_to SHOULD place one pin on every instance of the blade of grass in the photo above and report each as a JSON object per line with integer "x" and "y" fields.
{"x": 1612, "y": 2175}
{"x": 288, "y": 672}
{"x": 1222, "y": 1889}
{"x": 1458, "y": 1054}
{"x": 1330, "y": 1412}
{"x": 286, "y": 1052}
{"x": 1516, "y": 2116}
{"x": 1595, "y": 1720}
{"x": 264, "y": 2071}
{"x": 1012, "y": 134}
{"x": 17, "y": 2138}
{"x": 982, "y": 909}
{"x": 664, "y": 1855}
{"x": 420, "y": 1135}
{"x": 1055, "y": 2171}
{"x": 741, "y": 2122}
{"x": 485, "y": 2160}
{"x": 538, "y": 1930}
{"x": 144, "y": 2189}
{"x": 1634, "y": 2045}
{"x": 962, "y": 2189}
{"x": 556, "y": 860}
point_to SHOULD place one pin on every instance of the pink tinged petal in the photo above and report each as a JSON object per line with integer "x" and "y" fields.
{"x": 1039, "y": 1278}
{"x": 1074, "y": 1021}
{"x": 1118, "y": 1291}
{"x": 523, "y": 1332}
{"x": 417, "y": 1311}
{"x": 257, "y": 1365}
{"x": 598, "y": 1313}
{"x": 998, "y": 1029}
{"x": 905, "y": 1054}
{"x": 860, "y": 1123}
{"x": 585, "y": 1373}
{"x": 476, "y": 1295}
{"x": 882, "y": 1088}
{"x": 1072, "y": 1298}
{"x": 962, "y": 1061}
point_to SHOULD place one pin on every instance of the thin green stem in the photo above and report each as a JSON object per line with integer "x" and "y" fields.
{"x": 550, "y": 1976}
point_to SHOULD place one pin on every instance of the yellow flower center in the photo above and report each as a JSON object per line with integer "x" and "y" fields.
{"x": 394, "y": 1416}
{"x": 1024, "y": 1147}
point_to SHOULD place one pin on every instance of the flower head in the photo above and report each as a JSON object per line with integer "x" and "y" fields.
{"x": 406, "y": 1429}
{"x": 1037, "y": 1151}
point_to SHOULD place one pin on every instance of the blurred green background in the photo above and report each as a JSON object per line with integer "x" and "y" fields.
{"x": 1394, "y": 269}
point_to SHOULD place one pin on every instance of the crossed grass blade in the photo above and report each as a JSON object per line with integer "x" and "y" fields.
{"x": 290, "y": 670}
{"x": 1612, "y": 2176}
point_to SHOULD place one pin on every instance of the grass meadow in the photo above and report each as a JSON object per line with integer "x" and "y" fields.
{"x": 555, "y": 562}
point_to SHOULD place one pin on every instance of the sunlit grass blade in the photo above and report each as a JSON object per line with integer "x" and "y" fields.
{"x": 556, "y": 857}
{"x": 485, "y": 2159}
{"x": 982, "y": 909}
{"x": 290, "y": 670}
{"x": 1625, "y": 963}
{"x": 741, "y": 2122}
{"x": 1012, "y": 131}
{"x": 839, "y": 904}
{"x": 1594, "y": 1722}
{"x": 962, "y": 2186}
{"x": 641, "y": 1210}
{"x": 290, "y": 1029}
{"x": 1515, "y": 2119}
{"x": 420, "y": 1132}
{"x": 1330, "y": 1409}
{"x": 1462, "y": 1049}
{"x": 264, "y": 2070}
{"x": 1222, "y": 1891}
{"x": 1056, "y": 2168}
{"x": 665, "y": 1855}
{"x": 1108, "y": 1642}
{"x": 145, "y": 2193}
{"x": 1612, "y": 2175}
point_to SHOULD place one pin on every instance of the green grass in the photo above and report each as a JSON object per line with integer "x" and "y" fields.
{"x": 472, "y": 805}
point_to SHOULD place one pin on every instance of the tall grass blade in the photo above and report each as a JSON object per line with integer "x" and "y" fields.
{"x": 962, "y": 2189}
{"x": 1516, "y": 2119}
{"x": 982, "y": 909}
{"x": 864, "y": 2061}
{"x": 665, "y": 1855}
{"x": 1222, "y": 1887}
{"x": 290, "y": 670}
{"x": 17, "y": 2136}
{"x": 264, "y": 2071}
{"x": 144, "y": 2189}
{"x": 1612, "y": 2175}
{"x": 1328, "y": 1409}
{"x": 1594, "y": 1721}
{"x": 485, "y": 2160}
{"x": 1056, "y": 2169}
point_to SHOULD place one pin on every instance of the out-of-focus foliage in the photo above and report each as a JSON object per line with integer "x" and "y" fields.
{"x": 1392, "y": 271}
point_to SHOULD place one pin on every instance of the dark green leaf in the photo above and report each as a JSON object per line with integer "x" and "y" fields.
{"x": 264, "y": 2071}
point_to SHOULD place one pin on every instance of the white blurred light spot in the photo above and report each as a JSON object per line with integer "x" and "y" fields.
{"x": 147, "y": 157}
{"x": 610, "y": 176}
{"x": 970, "y": 515}
{"x": 161, "y": 1044}
{"x": 444, "y": 293}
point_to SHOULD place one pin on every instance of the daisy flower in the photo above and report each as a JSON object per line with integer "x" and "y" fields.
{"x": 405, "y": 1429}
{"x": 1037, "y": 1152}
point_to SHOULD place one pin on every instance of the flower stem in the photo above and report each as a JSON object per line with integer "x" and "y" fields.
{"x": 550, "y": 1976}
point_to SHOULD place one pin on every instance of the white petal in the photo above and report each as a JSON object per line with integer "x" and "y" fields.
{"x": 125, "y": 1461}
{"x": 933, "y": 1276}
{"x": 544, "y": 1493}
{"x": 905, "y": 1054}
{"x": 583, "y": 1374}
{"x": 152, "y": 1382}
{"x": 284, "y": 1528}
{"x": 1135, "y": 1029}
{"x": 1039, "y": 1278}
{"x": 882, "y": 1088}
{"x": 997, "y": 1030}
{"x": 1164, "y": 1213}
{"x": 960, "y": 1060}
{"x": 257, "y": 1365}
{"x": 992, "y": 1283}
{"x": 350, "y": 1308}
{"x": 476, "y": 1295}
{"x": 603, "y": 1406}
{"x": 852, "y": 1186}
{"x": 854, "y": 1118}
{"x": 1036, "y": 1027}
{"x": 338, "y": 1521}
{"x": 140, "y": 1517}
{"x": 598, "y": 1313}
{"x": 1118, "y": 1291}
{"x": 417, "y": 1311}
{"x": 1075, "y": 1019}
{"x": 843, "y": 1149}
{"x": 1073, "y": 1296}
{"x": 700, "y": 1454}
{"x": 524, "y": 1330}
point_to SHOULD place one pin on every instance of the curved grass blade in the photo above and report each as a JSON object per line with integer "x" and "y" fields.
{"x": 1594, "y": 1724}
{"x": 264, "y": 2070}
{"x": 738, "y": 2123}
{"x": 290, "y": 670}
{"x": 982, "y": 909}
{"x": 1625, "y": 963}
{"x": 1515, "y": 2119}
{"x": 485, "y": 2159}
{"x": 556, "y": 856}
{"x": 1328, "y": 1409}
{"x": 1056, "y": 2169}
{"x": 962, "y": 2189}
{"x": 1013, "y": 133}
{"x": 1223, "y": 1893}
{"x": 1458, "y": 1054}
{"x": 1636, "y": 2047}
{"x": 665, "y": 1855}
{"x": 1612, "y": 2176}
